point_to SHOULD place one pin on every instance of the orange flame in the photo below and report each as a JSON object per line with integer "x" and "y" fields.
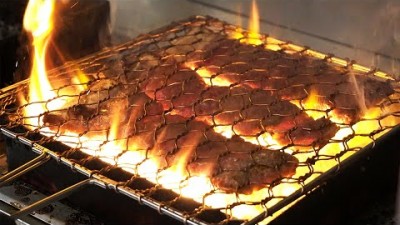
{"x": 254, "y": 25}
{"x": 253, "y": 35}
{"x": 313, "y": 105}
{"x": 38, "y": 21}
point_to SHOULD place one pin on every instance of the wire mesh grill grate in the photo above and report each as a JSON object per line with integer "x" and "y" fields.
{"x": 198, "y": 108}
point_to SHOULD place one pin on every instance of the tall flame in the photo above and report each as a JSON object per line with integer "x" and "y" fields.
{"x": 253, "y": 35}
{"x": 38, "y": 21}
{"x": 254, "y": 25}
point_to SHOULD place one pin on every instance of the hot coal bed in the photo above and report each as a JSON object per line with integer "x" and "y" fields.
{"x": 184, "y": 82}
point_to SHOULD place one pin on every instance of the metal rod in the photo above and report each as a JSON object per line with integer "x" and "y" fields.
{"x": 28, "y": 164}
{"x": 7, "y": 178}
{"x": 52, "y": 198}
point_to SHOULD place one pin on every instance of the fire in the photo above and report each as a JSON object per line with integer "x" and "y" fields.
{"x": 313, "y": 105}
{"x": 130, "y": 157}
{"x": 80, "y": 80}
{"x": 39, "y": 23}
{"x": 253, "y": 35}
{"x": 254, "y": 26}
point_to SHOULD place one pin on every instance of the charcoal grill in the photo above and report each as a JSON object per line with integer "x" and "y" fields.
{"x": 189, "y": 46}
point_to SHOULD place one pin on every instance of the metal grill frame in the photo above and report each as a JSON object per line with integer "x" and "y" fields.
{"x": 106, "y": 183}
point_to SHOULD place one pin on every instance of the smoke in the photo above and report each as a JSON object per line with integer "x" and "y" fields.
{"x": 359, "y": 90}
{"x": 113, "y": 14}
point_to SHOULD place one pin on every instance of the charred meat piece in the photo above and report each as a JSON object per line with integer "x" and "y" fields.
{"x": 290, "y": 76}
{"x": 357, "y": 95}
{"x": 253, "y": 171}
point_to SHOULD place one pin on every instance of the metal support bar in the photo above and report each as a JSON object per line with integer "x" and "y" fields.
{"x": 52, "y": 198}
{"x": 16, "y": 173}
